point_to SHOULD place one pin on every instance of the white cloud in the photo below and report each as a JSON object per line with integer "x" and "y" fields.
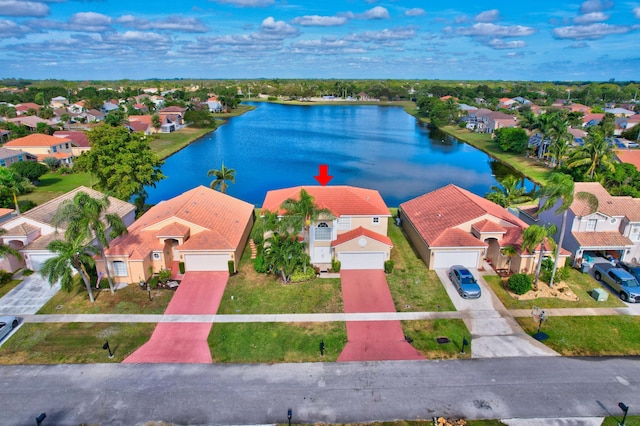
{"x": 416, "y": 11}
{"x": 247, "y": 3}
{"x": 90, "y": 19}
{"x": 595, "y": 6}
{"x": 383, "y": 36}
{"x": 377, "y": 12}
{"x": 171, "y": 23}
{"x": 488, "y": 16}
{"x": 82, "y": 21}
{"x": 277, "y": 29}
{"x": 590, "y": 17}
{"x": 580, "y": 45}
{"x": 500, "y": 44}
{"x": 494, "y": 30}
{"x": 590, "y": 32}
{"x": 9, "y": 29}
{"x": 319, "y": 21}
{"x": 23, "y": 9}
{"x": 636, "y": 11}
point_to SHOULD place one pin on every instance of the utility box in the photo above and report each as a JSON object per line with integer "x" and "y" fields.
{"x": 599, "y": 294}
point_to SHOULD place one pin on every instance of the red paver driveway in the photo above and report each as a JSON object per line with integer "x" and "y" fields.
{"x": 199, "y": 293}
{"x": 368, "y": 291}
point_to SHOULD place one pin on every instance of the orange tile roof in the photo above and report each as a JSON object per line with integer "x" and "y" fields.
{"x": 436, "y": 212}
{"x": 361, "y": 232}
{"x": 454, "y": 237}
{"x": 36, "y": 140}
{"x": 174, "y": 230}
{"x": 223, "y": 218}
{"x": 488, "y": 226}
{"x": 628, "y": 156}
{"x": 340, "y": 200}
{"x": 58, "y": 155}
{"x": 622, "y": 206}
{"x": 602, "y": 239}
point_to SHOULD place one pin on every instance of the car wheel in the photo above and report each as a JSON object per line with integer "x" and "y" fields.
{"x": 623, "y": 296}
{"x": 14, "y": 324}
{"x": 597, "y": 275}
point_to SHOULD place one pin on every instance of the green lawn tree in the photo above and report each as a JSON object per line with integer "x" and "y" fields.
{"x": 507, "y": 193}
{"x": 122, "y": 162}
{"x": 14, "y": 185}
{"x": 512, "y": 139}
{"x": 534, "y": 236}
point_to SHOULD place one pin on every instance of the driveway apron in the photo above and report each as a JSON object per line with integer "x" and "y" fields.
{"x": 494, "y": 331}
{"x": 367, "y": 291}
{"x": 199, "y": 293}
{"x": 28, "y": 296}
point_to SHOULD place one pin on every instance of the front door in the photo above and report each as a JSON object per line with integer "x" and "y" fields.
{"x": 321, "y": 255}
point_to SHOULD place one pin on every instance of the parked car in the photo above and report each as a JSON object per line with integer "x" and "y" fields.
{"x": 464, "y": 282}
{"x": 633, "y": 145}
{"x": 7, "y": 323}
{"x": 623, "y": 282}
{"x": 632, "y": 268}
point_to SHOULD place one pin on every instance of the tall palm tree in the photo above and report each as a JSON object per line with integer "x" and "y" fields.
{"x": 507, "y": 193}
{"x": 305, "y": 211}
{"x": 508, "y": 251}
{"x": 72, "y": 254}
{"x": 561, "y": 187}
{"x": 534, "y": 236}
{"x": 86, "y": 217}
{"x": 559, "y": 135}
{"x": 544, "y": 123}
{"x": 222, "y": 175}
{"x": 595, "y": 153}
{"x": 14, "y": 185}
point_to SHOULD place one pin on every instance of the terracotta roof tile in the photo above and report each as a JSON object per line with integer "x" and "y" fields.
{"x": 454, "y": 237}
{"x": 621, "y": 206}
{"x": 78, "y": 138}
{"x": 488, "y": 226}
{"x": 174, "y": 230}
{"x": 602, "y": 239}
{"x": 361, "y": 232}
{"x": 340, "y": 200}
{"x": 36, "y": 140}
{"x": 207, "y": 240}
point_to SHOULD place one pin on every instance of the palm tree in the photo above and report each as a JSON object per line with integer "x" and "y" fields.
{"x": 73, "y": 254}
{"x": 534, "y": 236}
{"x": 8, "y": 250}
{"x": 561, "y": 187}
{"x": 305, "y": 211}
{"x": 595, "y": 153}
{"x": 559, "y": 135}
{"x": 85, "y": 216}
{"x": 14, "y": 185}
{"x": 544, "y": 123}
{"x": 222, "y": 175}
{"x": 284, "y": 252}
{"x": 508, "y": 251}
{"x": 507, "y": 193}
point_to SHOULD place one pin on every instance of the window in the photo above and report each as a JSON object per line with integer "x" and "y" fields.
{"x": 323, "y": 232}
{"x": 344, "y": 223}
{"x": 375, "y": 220}
{"x": 119, "y": 268}
{"x": 66, "y": 145}
{"x": 591, "y": 225}
{"x": 20, "y": 158}
{"x": 3, "y": 163}
{"x": 634, "y": 235}
{"x": 55, "y": 148}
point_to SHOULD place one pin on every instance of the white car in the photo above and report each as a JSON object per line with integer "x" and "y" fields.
{"x": 7, "y": 323}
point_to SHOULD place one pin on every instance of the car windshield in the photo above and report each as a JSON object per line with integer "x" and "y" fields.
{"x": 630, "y": 283}
{"x": 467, "y": 280}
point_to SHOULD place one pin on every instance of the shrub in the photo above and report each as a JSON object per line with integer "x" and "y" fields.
{"x": 26, "y": 205}
{"x": 231, "y": 265}
{"x": 300, "y": 276}
{"x": 388, "y": 266}
{"x": 64, "y": 170}
{"x": 561, "y": 274}
{"x": 5, "y": 276}
{"x": 520, "y": 283}
{"x": 164, "y": 275}
{"x": 259, "y": 265}
{"x": 181, "y": 267}
{"x": 335, "y": 265}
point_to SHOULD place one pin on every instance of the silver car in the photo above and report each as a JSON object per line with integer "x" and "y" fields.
{"x": 7, "y": 323}
{"x": 465, "y": 282}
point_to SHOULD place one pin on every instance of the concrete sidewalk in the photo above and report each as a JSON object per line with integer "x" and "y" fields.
{"x": 29, "y": 296}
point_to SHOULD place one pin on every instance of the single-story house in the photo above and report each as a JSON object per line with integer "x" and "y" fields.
{"x": 10, "y": 156}
{"x": 202, "y": 228}
{"x": 31, "y": 232}
{"x": 452, "y": 226}
{"x": 357, "y": 233}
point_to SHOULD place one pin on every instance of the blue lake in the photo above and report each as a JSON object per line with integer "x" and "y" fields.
{"x": 278, "y": 146}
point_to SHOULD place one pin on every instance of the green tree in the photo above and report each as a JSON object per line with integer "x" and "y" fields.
{"x": 29, "y": 170}
{"x": 534, "y": 236}
{"x": 510, "y": 252}
{"x": 560, "y": 187}
{"x": 85, "y": 216}
{"x": 512, "y": 139}
{"x": 72, "y": 255}
{"x": 595, "y": 153}
{"x": 12, "y": 184}
{"x": 507, "y": 193}
{"x": 284, "y": 253}
{"x": 122, "y": 162}
{"x": 156, "y": 122}
{"x": 222, "y": 175}
{"x": 115, "y": 118}
{"x": 304, "y": 211}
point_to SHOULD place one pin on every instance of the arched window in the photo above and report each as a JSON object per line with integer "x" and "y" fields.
{"x": 323, "y": 232}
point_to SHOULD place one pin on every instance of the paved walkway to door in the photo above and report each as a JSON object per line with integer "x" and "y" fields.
{"x": 368, "y": 291}
{"x": 199, "y": 293}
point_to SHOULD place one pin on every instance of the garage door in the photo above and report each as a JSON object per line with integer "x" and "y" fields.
{"x": 361, "y": 260}
{"x": 37, "y": 260}
{"x": 206, "y": 262}
{"x": 446, "y": 259}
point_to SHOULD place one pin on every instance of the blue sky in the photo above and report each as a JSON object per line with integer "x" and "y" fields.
{"x": 500, "y": 40}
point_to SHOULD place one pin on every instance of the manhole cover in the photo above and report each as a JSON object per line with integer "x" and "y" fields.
{"x": 442, "y": 340}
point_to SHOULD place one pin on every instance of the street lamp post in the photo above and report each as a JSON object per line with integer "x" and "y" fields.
{"x": 625, "y": 409}
{"x": 464, "y": 343}
{"x": 289, "y": 416}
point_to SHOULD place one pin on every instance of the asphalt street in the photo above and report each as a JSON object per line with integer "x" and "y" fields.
{"x": 127, "y": 394}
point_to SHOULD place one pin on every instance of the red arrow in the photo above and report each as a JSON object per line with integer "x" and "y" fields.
{"x": 323, "y": 177}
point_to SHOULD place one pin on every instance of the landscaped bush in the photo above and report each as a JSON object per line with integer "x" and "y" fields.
{"x": 561, "y": 274}
{"x": 520, "y": 283}
{"x": 232, "y": 267}
{"x": 164, "y": 275}
{"x": 259, "y": 265}
{"x": 5, "y": 276}
{"x": 335, "y": 265}
{"x": 388, "y": 266}
{"x": 300, "y": 276}
{"x": 181, "y": 267}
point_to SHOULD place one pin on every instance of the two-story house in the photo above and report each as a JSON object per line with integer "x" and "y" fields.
{"x": 356, "y": 235}
{"x": 44, "y": 146}
{"x": 612, "y": 230}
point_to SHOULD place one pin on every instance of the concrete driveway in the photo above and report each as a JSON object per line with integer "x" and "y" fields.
{"x": 29, "y": 296}
{"x": 494, "y": 331}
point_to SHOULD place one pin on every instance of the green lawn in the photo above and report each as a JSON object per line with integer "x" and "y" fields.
{"x": 73, "y": 343}
{"x": 255, "y": 293}
{"x": 615, "y": 421}
{"x": 413, "y": 287}
{"x": 166, "y": 144}
{"x": 129, "y": 300}
{"x": 276, "y": 342}
{"x": 424, "y": 334}
{"x": 53, "y": 185}
{"x": 8, "y": 286}
{"x": 581, "y": 284}
{"x": 589, "y": 336}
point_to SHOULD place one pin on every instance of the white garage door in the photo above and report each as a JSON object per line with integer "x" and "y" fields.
{"x": 37, "y": 260}
{"x": 361, "y": 260}
{"x": 446, "y": 259}
{"x": 206, "y": 262}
